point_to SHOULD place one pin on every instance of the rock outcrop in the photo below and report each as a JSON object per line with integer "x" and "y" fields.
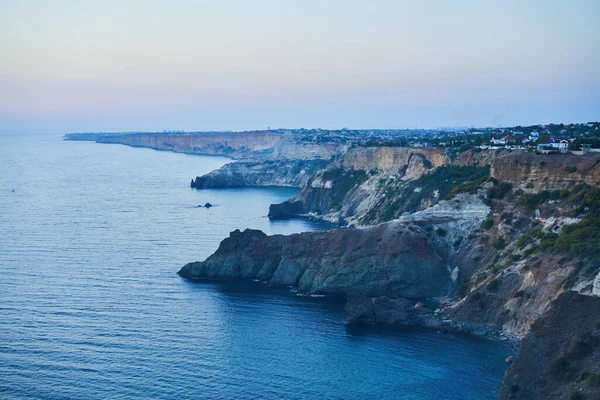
{"x": 542, "y": 172}
{"x": 384, "y": 260}
{"x": 287, "y": 173}
{"x": 353, "y": 184}
{"x": 560, "y": 357}
{"x": 388, "y": 311}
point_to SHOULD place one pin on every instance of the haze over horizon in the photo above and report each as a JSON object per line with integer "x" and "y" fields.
{"x": 235, "y": 65}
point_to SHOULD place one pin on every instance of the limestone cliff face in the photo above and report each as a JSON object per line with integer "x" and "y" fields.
{"x": 483, "y": 157}
{"x": 353, "y": 184}
{"x": 536, "y": 172}
{"x": 259, "y": 145}
{"x": 290, "y": 173}
{"x": 233, "y": 144}
{"x": 386, "y": 259}
{"x": 392, "y": 160}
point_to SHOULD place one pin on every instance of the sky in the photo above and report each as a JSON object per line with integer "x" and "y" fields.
{"x": 127, "y": 65}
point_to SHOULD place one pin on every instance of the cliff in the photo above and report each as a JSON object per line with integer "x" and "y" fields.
{"x": 355, "y": 183}
{"x": 560, "y": 357}
{"x": 248, "y": 145}
{"x": 386, "y": 259}
{"x": 373, "y": 185}
{"x": 539, "y": 172}
{"x": 292, "y": 173}
{"x": 502, "y": 235}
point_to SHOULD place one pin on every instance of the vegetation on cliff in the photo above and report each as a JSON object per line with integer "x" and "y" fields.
{"x": 512, "y": 233}
{"x": 444, "y": 183}
{"x": 342, "y": 182}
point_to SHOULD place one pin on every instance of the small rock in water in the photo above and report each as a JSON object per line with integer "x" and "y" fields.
{"x": 509, "y": 359}
{"x": 208, "y": 205}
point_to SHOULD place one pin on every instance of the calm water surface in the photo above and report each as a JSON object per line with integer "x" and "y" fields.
{"x": 91, "y": 238}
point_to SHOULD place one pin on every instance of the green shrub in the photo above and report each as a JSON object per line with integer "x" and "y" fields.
{"x": 487, "y": 225}
{"x": 577, "y": 396}
{"x": 500, "y": 243}
{"x": 585, "y": 345}
{"x": 493, "y": 285}
{"x": 482, "y": 277}
{"x": 463, "y": 290}
{"x": 441, "y": 232}
{"x": 499, "y": 191}
{"x": 562, "y": 368}
{"x": 476, "y": 297}
{"x": 507, "y": 217}
{"x": 519, "y": 294}
{"x": 570, "y": 281}
{"x": 593, "y": 380}
{"x": 563, "y": 260}
{"x": 592, "y": 269}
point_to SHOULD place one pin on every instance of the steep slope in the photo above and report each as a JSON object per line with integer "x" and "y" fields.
{"x": 511, "y": 233}
{"x": 293, "y": 173}
{"x": 355, "y": 183}
{"x": 386, "y": 259}
{"x": 560, "y": 357}
{"x": 539, "y": 172}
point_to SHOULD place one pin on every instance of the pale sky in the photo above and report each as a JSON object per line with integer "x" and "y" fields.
{"x": 230, "y": 64}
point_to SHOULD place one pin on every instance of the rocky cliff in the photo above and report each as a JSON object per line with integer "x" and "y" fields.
{"x": 249, "y": 145}
{"x": 503, "y": 235}
{"x": 291, "y": 173}
{"x": 560, "y": 357}
{"x": 374, "y": 185}
{"x": 354, "y": 184}
{"x": 539, "y": 172}
{"x": 386, "y": 259}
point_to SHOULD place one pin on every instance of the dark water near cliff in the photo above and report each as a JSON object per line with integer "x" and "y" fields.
{"x": 91, "y": 237}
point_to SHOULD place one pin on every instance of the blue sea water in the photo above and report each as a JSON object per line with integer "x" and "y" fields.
{"x": 91, "y": 238}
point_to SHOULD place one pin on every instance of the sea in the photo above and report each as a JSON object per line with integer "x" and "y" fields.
{"x": 91, "y": 306}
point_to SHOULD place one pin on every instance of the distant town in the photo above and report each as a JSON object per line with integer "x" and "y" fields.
{"x": 542, "y": 138}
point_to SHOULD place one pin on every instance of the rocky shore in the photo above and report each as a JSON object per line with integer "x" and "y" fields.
{"x": 384, "y": 260}
{"x": 503, "y": 239}
{"x": 287, "y": 173}
{"x": 507, "y": 242}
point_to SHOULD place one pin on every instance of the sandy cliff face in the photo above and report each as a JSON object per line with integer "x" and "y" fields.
{"x": 390, "y": 159}
{"x": 538, "y": 172}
